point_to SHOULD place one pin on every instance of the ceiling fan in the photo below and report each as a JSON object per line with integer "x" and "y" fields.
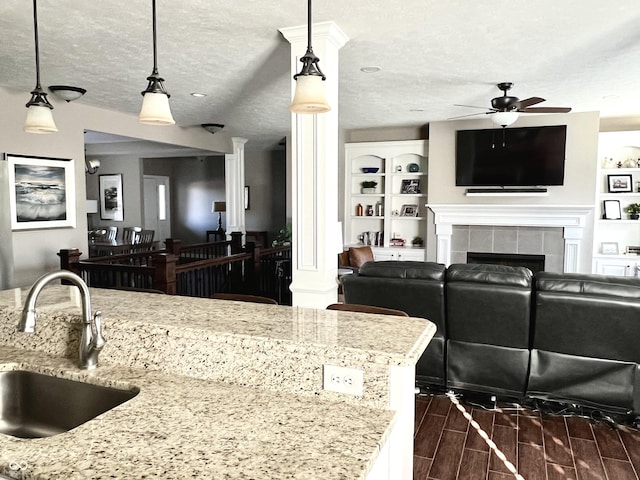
{"x": 506, "y": 109}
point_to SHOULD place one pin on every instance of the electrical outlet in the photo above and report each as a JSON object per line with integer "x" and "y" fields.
{"x": 343, "y": 380}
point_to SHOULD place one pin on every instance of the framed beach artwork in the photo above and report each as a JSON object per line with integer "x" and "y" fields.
{"x": 41, "y": 192}
{"x": 111, "y": 203}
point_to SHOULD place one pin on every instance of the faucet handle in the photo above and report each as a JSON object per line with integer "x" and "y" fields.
{"x": 98, "y": 340}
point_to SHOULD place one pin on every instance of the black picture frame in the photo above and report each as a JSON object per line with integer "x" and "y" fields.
{"x": 111, "y": 198}
{"x": 410, "y": 186}
{"x": 611, "y": 210}
{"x": 619, "y": 183}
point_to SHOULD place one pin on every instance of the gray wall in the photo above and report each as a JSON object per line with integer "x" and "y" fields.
{"x": 265, "y": 174}
{"x": 195, "y": 182}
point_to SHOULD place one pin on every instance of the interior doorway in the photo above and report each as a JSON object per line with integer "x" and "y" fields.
{"x": 157, "y": 211}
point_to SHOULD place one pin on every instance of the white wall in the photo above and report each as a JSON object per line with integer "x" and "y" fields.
{"x": 34, "y": 251}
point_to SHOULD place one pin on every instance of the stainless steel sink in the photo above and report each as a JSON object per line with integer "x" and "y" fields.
{"x": 33, "y": 405}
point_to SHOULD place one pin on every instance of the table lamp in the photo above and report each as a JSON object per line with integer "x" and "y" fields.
{"x": 219, "y": 207}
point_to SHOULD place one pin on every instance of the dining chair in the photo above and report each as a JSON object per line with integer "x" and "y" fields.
{"x": 111, "y": 234}
{"x": 146, "y": 236}
{"x": 239, "y": 297}
{"x": 131, "y": 235}
{"x": 354, "y": 307}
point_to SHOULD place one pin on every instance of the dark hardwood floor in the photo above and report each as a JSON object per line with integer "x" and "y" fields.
{"x": 540, "y": 447}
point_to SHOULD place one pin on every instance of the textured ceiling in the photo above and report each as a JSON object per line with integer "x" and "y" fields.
{"x": 432, "y": 53}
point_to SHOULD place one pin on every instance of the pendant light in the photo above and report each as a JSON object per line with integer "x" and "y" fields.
{"x": 310, "y": 96}
{"x": 39, "y": 116}
{"x": 155, "y": 104}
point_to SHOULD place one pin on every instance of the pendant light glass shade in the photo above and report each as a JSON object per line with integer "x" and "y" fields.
{"x": 504, "y": 119}
{"x": 39, "y": 120}
{"x": 310, "y": 95}
{"x": 155, "y": 104}
{"x": 155, "y": 109}
{"x": 39, "y": 116}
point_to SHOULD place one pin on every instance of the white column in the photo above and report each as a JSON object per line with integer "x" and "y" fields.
{"x": 572, "y": 240}
{"x": 314, "y": 158}
{"x": 444, "y": 231}
{"x": 234, "y": 186}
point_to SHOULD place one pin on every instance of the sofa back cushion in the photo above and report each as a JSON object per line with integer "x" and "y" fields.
{"x": 416, "y": 288}
{"x": 489, "y": 304}
{"x": 588, "y": 315}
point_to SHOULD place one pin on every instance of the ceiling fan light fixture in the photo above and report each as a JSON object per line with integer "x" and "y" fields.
{"x": 155, "y": 104}
{"x": 504, "y": 119}
{"x": 67, "y": 93}
{"x": 310, "y": 95}
{"x": 39, "y": 116}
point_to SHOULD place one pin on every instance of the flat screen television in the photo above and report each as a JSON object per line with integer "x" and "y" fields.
{"x": 509, "y": 157}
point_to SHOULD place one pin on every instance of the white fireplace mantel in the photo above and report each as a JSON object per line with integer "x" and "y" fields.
{"x": 571, "y": 218}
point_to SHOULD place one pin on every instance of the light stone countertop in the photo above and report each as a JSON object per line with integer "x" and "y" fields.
{"x": 181, "y": 427}
{"x": 227, "y": 389}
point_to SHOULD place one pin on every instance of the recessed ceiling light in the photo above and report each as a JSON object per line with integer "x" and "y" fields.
{"x": 416, "y": 110}
{"x": 198, "y": 94}
{"x": 371, "y": 69}
{"x": 611, "y": 97}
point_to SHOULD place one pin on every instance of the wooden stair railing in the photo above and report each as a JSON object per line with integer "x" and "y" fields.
{"x": 194, "y": 270}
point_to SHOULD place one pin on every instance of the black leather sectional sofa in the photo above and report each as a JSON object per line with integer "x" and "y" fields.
{"x": 570, "y": 339}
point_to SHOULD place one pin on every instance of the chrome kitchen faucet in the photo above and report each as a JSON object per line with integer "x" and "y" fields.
{"x": 91, "y": 341}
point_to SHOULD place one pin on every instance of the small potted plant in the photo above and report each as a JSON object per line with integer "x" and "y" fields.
{"x": 417, "y": 242}
{"x": 369, "y": 186}
{"x": 633, "y": 209}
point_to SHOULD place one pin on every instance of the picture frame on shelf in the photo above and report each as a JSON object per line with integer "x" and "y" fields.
{"x": 619, "y": 183}
{"x": 609, "y": 248}
{"x": 409, "y": 210}
{"x": 41, "y": 192}
{"x": 410, "y": 185}
{"x": 611, "y": 210}
{"x": 111, "y": 202}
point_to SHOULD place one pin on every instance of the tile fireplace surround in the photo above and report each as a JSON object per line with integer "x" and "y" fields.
{"x": 571, "y": 218}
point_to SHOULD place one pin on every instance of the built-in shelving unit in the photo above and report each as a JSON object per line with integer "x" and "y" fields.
{"x": 618, "y": 157}
{"x": 401, "y": 194}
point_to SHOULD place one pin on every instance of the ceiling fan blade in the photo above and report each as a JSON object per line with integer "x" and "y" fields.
{"x": 471, "y": 106}
{"x": 528, "y": 101}
{"x": 546, "y": 110}
{"x": 469, "y": 115}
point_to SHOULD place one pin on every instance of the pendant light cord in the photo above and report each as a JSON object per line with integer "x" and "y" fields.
{"x": 308, "y": 24}
{"x": 35, "y": 28}
{"x": 155, "y": 50}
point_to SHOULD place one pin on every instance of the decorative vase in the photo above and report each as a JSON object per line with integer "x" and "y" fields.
{"x": 634, "y": 216}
